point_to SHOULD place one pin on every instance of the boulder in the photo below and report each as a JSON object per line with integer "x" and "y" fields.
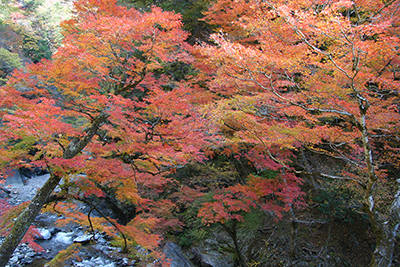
{"x": 209, "y": 254}
{"x": 86, "y": 238}
{"x": 174, "y": 253}
{"x": 44, "y": 234}
{"x": 64, "y": 238}
{"x": 211, "y": 258}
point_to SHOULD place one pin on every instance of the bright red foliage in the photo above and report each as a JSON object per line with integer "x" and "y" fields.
{"x": 285, "y": 76}
{"x": 321, "y": 76}
{"x": 109, "y": 69}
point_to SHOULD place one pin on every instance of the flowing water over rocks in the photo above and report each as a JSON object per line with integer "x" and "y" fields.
{"x": 53, "y": 239}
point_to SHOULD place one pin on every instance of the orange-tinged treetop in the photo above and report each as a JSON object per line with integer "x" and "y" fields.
{"x": 108, "y": 72}
{"x": 309, "y": 58}
{"x": 317, "y": 75}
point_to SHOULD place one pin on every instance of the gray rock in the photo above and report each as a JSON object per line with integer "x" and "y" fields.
{"x": 95, "y": 262}
{"x": 65, "y": 238}
{"x": 14, "y": 178}
{"x": 19, "y": 255}
{"x": 85, "y": 263}
{"x": 207, "y": 256}
{"x": 101, "y": 240}
{"x": 44, "y": 234}
{"x": 27, "y": 260}
{"x": 98, "y": 261}
{"x": 84, "y": 238}
{"x": 209, "y": 260}
{"x": 174, "y": 253}
{"x": 54, "y": 230}
{"x": 14, "y": 259}
{"x": 30, "y": 254}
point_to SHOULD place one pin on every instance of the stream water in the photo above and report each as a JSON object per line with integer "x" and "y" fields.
{"x": 54, "y": 238}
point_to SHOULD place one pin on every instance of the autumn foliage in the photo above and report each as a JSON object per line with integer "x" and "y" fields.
{"x": 109, "y": 73}
{"x": 320, "y": 76}
{"x": 280, "y": 78}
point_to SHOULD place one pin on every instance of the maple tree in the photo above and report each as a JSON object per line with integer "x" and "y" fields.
{"x": 315, "y": 75}
{"x": 271, "y": 190}
{"x": 191, "y": 11}
{"x": 102, "y": 115}
{"x": 104, "y": 118}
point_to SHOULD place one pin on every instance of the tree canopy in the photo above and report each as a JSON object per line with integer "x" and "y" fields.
{"x": 106, "y": 114}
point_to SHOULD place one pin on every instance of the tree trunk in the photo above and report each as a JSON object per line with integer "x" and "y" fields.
{"x": 383, "y": 254}
{"x": 26, "y": 218}
{"x": 385, "y": 231}
{"x": 232, "y": 231}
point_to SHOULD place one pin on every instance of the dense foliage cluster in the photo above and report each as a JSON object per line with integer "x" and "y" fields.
{"x": 224, "y": 132}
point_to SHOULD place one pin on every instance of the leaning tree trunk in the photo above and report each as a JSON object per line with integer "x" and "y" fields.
{"x": 26, "y": 218}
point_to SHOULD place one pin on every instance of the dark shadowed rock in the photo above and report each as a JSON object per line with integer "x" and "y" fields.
{"x": 208, "y": 254}
{"x": 174, "y": 253}
{"x": 14, "y": 178}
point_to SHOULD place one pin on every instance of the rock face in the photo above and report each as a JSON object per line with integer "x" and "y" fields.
{"x": 14, "y": 178}
{"x": 21, "y": 189}
{"x": 210, "y": 259}
{"x": 208, "y": 255}
{"x": 175, "y": 254}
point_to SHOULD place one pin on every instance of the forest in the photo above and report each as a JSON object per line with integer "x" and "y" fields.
{"x": 270, "y": 127}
